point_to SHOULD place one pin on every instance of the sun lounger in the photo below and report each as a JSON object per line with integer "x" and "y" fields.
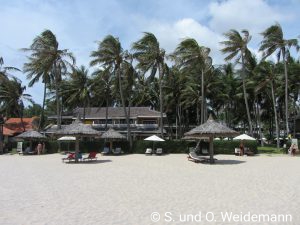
{"x": 91, "y": 156}
{"x": 204, "y": 151}
{"x": 117, "y": 151}
{"x": 71, "y": 156}
{"x": 237, "y": 151}
{"x": 148, "y": 151}
{"x": 195, "y": 158}
{"x": 105, "y": 151}
{"x": 159, "y": 151}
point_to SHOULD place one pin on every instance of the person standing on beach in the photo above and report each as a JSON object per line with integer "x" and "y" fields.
{"x": 39, "y": 148}
{"x": 241, "y": 148}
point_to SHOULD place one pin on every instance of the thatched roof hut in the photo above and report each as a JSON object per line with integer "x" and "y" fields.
{"x": 210, "y": 129}
{"x": 30, "y": 135}
{"x": 78, "y": 129}
{"x": 112, "y": 134}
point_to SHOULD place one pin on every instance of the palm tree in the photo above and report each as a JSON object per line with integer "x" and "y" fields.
{"x": 151, "y": 57}
{"x": 273, "y": 40}
{"x": 11, "y": 98}
{"x": 267, "y": 71}
{"x": 173, "y": 96}
{"x": 236, "y": 47}
{"x": 228, "y": 92}
{"x": 76, "y": 91}
{"x": 49, "y": 63}
{"x": 101, "y": 88}
{"x": 191, "y": 56}
{"x": 34, "y": 75}
{"x": 110, "y": 54}
{"x": 4, "y": 70}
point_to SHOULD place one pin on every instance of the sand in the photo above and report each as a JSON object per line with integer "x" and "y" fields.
{"x": 128, "y": 189}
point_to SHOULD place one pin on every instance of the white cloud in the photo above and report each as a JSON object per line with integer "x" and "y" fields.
{"x": 171, "y": 34}
{"x": 254, "y": 15}
{"x": 78, "y": 24}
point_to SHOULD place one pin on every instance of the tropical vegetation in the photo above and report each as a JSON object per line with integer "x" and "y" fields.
{"x": 259, "y": 97}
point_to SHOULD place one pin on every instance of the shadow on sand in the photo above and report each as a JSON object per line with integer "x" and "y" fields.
{"x": 228, "y": 162}
{"x": 90, "y": 162}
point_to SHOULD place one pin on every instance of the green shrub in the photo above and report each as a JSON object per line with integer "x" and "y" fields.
{"x": 227, "y": 147}
{"x": 139, "y": 146}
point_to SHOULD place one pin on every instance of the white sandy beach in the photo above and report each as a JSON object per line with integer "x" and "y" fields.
{"x": 38, "y": 190}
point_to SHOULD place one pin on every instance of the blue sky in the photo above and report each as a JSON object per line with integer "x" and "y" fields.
{"x": 79, "y": 24}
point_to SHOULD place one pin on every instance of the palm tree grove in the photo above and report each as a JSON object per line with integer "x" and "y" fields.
{"x": 254, "y": 93}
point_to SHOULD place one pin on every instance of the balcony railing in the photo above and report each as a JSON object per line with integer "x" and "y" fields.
{"x": 123, "y": 126}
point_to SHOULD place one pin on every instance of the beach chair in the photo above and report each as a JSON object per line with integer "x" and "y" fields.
{"x": 91, "y": 156}
{"x": 204, "y": 151}
{"x": 148, "y": 151}
{"x": 195, "y": 158}
{"x": 237, "y": 151}
{"x": 192, "y": 149}
{"x": 159, "y": 151}
{"x": 71, "y": 156}
{"x": 117, "y": 151}
{"x": 105, "y": 151}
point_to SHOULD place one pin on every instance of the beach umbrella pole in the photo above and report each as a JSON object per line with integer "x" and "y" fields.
{"x": 211, "y": 149}
{"x": 76, "y": 149}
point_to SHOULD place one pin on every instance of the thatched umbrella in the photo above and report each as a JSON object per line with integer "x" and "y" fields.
{"x": 210, "y": 129}
{"x": 111, "y": 135}
{"x": 78, "y": 129}
{"x": 31, "y": 135}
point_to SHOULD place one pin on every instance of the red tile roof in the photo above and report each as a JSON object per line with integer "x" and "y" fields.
{"x": 14, "y": 126}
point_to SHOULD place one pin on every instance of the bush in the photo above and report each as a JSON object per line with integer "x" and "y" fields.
{"x": 227, "y": 147}
{"x": 176, "y": 146}
{"x": 139, "y": 146}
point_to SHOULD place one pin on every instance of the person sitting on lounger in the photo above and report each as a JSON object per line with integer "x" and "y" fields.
{"x": 293, "y": 149}
{"x": 27, "y": 150}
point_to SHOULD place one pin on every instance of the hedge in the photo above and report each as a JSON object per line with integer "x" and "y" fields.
{"x": 139, "y": 147}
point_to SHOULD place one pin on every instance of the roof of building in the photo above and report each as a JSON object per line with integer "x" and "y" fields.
{"x": 113, "y": 113}
{"x": 14, "y": 126}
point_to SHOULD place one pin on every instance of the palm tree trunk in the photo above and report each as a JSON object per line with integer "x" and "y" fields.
{"x": 123, "y": 103}
{"x": 128, "y": 126}
{"x": 176, "y": 123}
{"x": 180, "y": 120}
{"x": 106, "y": 113}
{"x": 259, "y": 125}
{"x": 84, "y": 107}
{"x": 161, "y": 100}
{"x": 203, "y": 98}
{"x": 21, "y": 117}
{"x": 43, "y": 107}
{"x": 275, "y": 114}
{"x": 57, "y": 97}
{"x": 294, "y": 118}
{"x": 197, "y": 113}
{"x": 286, "y": 94}
{"x": 245, "y": 96}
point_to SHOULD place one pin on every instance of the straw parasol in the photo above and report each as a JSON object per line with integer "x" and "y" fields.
{"x": 111, "y": 135}
{"x": 78, "y": 129}
{"x": 31, "y": 135}
{"x": 210, "y": 129}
